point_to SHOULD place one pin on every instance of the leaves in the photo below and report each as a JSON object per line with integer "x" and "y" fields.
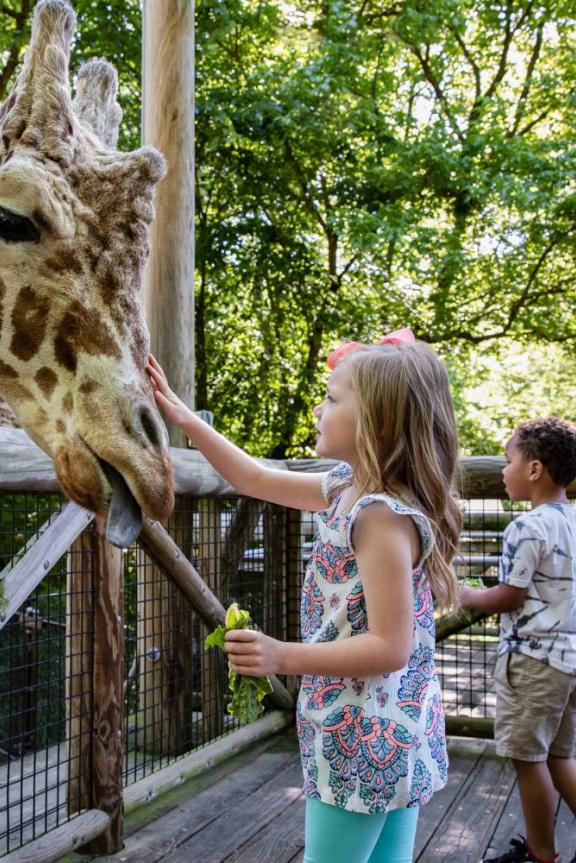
{"x": 247, "y": 692}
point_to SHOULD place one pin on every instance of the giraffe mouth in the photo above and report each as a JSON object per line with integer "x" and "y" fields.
{"x": 124, "y": 518}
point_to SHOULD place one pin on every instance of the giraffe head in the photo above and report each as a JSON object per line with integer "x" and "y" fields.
{"x": 74, "y": 217}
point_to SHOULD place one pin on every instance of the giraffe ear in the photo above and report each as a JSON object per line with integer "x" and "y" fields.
{"x": 38, "y": 112}
{"x": 95, "y": 102}
{"x": 145, "y": 167}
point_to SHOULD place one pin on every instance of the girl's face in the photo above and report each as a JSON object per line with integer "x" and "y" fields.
{"x": 336, "y": 418}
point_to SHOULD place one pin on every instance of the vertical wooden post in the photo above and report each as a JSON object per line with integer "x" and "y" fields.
{"x": 96, "y": 779}
{"x": 273, "y": 583}
{"x": 294, "y": 575}
{"x": 213, "y": 666}
{"x": 108, "y": 690}
{"x": 168, "y": 124}
{"x": 79, "y": 668}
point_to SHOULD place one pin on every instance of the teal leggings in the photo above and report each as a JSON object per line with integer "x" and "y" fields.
{"x": 334, "y": 835}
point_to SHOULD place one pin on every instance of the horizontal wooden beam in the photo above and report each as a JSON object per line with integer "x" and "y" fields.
{"x": 26, "y": 468}
{"x": 453, "y": 622}
{"x": 470, "y": 726}
{"x": 65, "y": 839}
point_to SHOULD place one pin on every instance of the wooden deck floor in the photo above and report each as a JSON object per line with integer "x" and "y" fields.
{"x": 250, "y": 810}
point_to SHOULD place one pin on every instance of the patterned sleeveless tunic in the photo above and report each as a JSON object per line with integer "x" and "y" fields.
{"x": 378, "y": 743}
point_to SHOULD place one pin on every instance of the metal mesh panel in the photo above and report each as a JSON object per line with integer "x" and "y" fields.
{"x": 466, "y": 659}
{"x": 35, "y": 714}
{"x": 177, "y": 692}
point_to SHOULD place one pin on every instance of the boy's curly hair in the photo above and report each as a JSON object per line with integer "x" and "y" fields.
{"x": 553, "y": 442}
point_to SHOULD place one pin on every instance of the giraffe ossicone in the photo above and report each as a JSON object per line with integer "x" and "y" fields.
{"x": 74, "y": 219}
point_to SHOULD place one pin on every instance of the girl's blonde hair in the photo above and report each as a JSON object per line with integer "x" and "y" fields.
{"x": 407, "y": 443}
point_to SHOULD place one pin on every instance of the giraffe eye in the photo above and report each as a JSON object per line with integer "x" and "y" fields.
{"x": 15, "y": 228}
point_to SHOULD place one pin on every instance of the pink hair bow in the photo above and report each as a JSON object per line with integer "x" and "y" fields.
{"x": 405, "y": 336}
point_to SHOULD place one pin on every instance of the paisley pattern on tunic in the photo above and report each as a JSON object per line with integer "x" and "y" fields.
{"x": 421, "y": 787}
{"x": 414, "y": 683}
{"x": 378, "y": 743}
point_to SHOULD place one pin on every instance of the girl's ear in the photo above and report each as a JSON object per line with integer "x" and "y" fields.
{"x": 535, "y": 470}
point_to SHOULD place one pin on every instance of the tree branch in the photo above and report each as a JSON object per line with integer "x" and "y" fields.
{"x": 435, "y": 84}
{"x": 522, "y": 100}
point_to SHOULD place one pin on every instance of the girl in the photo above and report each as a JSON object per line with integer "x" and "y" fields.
{"x": 369, "y": 714}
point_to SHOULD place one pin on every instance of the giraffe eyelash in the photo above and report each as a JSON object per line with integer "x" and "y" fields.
{"x": 15, "y": 228}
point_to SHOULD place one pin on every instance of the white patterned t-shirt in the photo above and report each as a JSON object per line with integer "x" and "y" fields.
{"x": 375, "y": 743}
{"x": 539, "y": 553}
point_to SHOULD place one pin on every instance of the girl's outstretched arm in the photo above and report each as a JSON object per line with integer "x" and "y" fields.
{"x": 248, "y": 476}
{"x": 387, "y": 549}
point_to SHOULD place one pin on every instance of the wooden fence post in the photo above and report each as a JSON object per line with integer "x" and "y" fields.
{"x": 96, "y": 778}
{"x": 213, "y": 663}
{"x": 294, "y": 574}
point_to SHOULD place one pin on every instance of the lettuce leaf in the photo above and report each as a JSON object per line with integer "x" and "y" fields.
{"x": 247, "y": 692}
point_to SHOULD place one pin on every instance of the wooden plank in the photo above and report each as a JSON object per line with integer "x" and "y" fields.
{"x": 464, "y": 756}
{"x": 251, "y": 812}
{"x": 214, "y": 753}
{"x": 463, "y": 833}
{"x": 25, "y": 576}
{"x": 565, "y": 832}
{"x": 84, "y": 827}
{"x": 278, "y": 841}
{"x": 510, "y": 824}
{"x": 159, "y": 839}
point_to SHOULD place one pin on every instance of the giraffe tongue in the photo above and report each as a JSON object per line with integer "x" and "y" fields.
{"x": 124, "y": 521}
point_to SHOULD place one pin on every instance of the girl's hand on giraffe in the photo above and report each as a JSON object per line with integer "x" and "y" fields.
{"x": 173, "y": 407}
{"x": 252, "y": 653}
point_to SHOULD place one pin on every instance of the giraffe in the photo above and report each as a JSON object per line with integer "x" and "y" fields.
{"x": 74, "y": 217}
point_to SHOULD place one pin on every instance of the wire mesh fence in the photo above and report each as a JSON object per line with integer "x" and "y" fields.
{"x": 175, "y": 691}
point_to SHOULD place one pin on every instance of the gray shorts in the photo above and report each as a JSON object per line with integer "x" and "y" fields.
{"x": 535, "y": 709}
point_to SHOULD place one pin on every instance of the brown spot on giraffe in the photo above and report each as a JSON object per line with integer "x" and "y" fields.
{"x": 83, "y": 330}
{"x": 65, "y": 260}
{"x": 29, "y": 319}
{"x": 46, "y": 380}
{"x": 68, "y": 403}
{"x": 7, "y": 372}
{"x": 60, "y": 426}
{"x": 88, "y": 386}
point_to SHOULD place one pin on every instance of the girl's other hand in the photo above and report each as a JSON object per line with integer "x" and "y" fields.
{"x": 252, "y": 653}
{"x": 172, "y": 406}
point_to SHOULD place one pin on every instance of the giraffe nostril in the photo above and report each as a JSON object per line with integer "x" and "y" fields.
{"x": 151, "y": 428}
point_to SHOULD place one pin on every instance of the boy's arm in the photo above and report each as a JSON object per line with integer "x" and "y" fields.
{"x": 502, "y": 597}
{"x": 248, "y": 476}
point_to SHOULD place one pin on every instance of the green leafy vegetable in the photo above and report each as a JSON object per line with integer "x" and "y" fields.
{"x": 247, "y": 692}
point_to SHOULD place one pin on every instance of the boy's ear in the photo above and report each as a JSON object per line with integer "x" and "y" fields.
{"x": 535, "y": 470}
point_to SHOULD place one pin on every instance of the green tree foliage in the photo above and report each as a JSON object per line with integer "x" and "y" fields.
{"x": 362, "y": 166}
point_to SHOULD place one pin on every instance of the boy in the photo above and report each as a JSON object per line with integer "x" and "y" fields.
{"x": 535, "y": 676}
